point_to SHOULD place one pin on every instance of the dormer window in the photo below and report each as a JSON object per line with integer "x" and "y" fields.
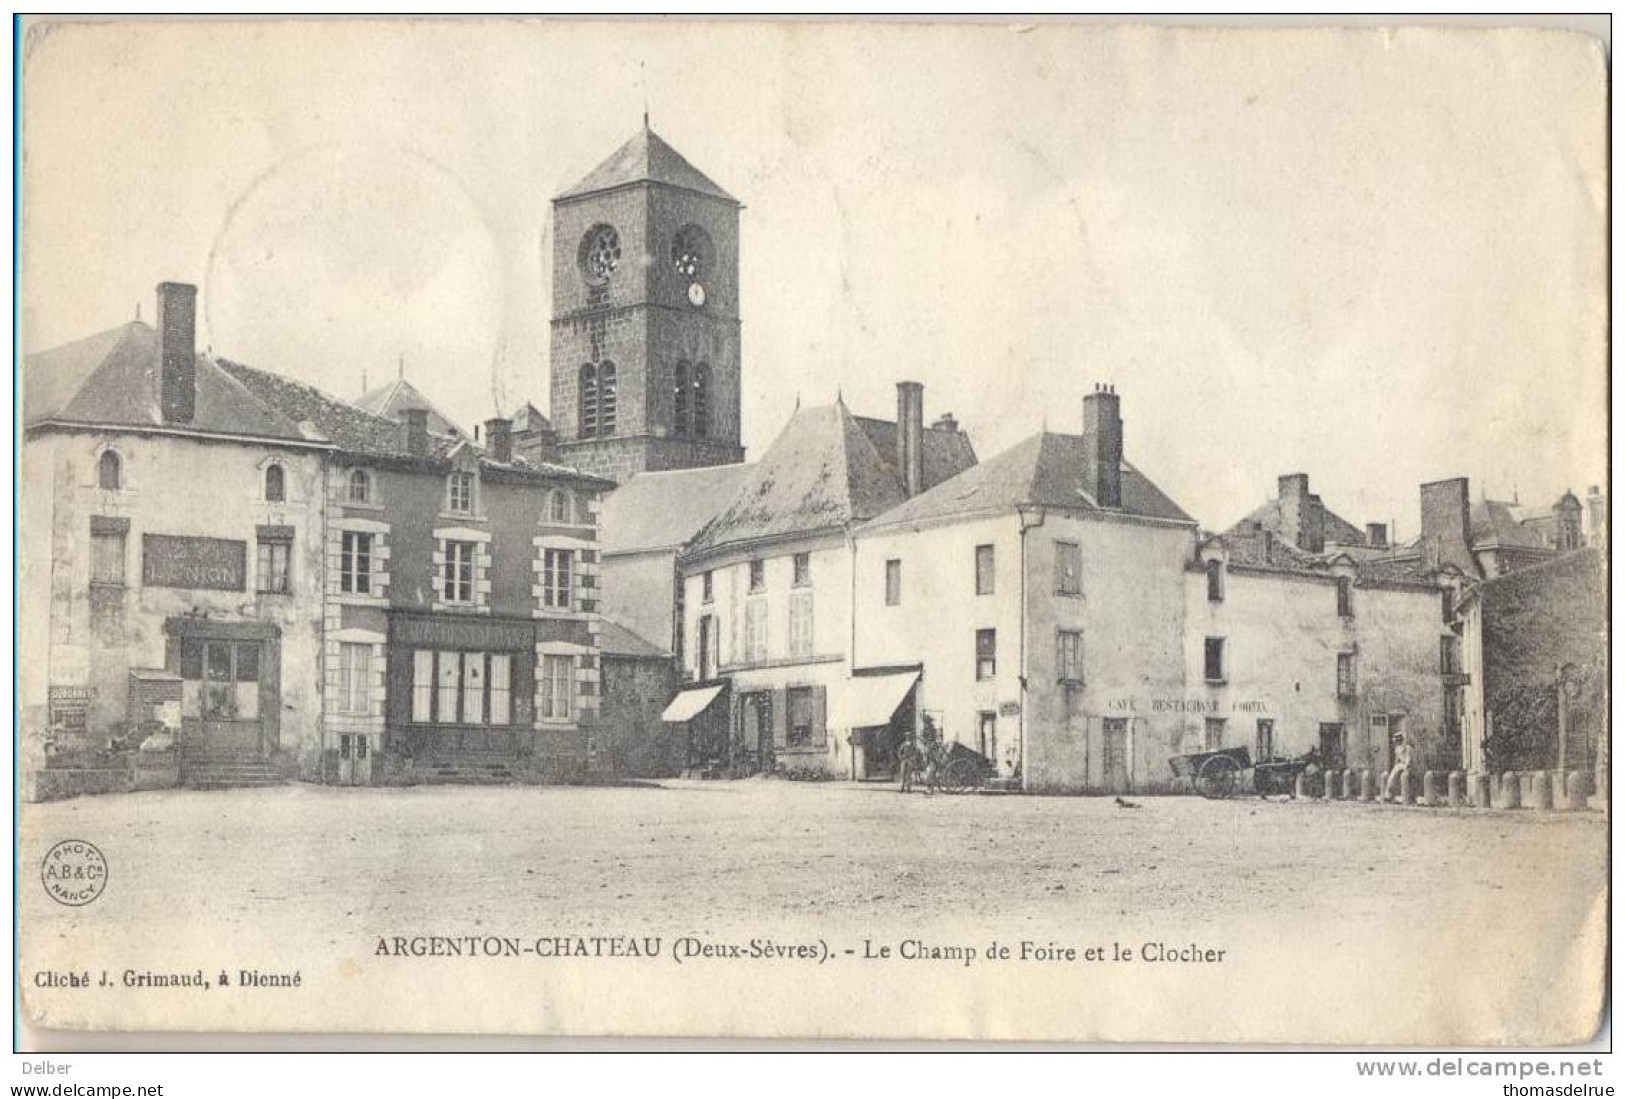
{"x": 460, "y": 493}
{"x": 359, "y": 489}
{"x": 276, "y": 484}
{"x": 110, "y": 471}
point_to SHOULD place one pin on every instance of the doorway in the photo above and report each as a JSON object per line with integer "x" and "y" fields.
{"x": 1333, "y": 745}
{"x": 756, "y": 731}
{"x": 227, "y": 693}
{"x": 355, "y": 760}
{"x": 1114, "y": 754}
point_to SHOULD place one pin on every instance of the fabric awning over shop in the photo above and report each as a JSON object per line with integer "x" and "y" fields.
{"x": 870, "y": 700}
{"x": 690, "y": 704}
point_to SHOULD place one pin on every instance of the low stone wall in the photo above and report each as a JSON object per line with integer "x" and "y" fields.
{"x": 116, "y": 774}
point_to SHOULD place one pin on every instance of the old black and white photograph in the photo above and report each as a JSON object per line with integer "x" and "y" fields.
{"x": 812, "y": 531}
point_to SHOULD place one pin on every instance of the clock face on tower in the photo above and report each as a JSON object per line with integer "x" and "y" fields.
{"x": 696, "y": 294}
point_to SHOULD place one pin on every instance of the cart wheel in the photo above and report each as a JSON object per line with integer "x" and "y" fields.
{"x": 960, "y": 778}
{"x": 1219, "y": 778}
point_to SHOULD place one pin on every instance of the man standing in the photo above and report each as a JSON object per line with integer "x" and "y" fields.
{"x": 1402, "y": 763}
{"x": 908, "y": 763}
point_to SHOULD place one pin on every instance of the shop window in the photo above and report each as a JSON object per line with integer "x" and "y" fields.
{"x": 222, "y": 679}
{"x": 462, "y": 688}
{"x": 556, "y": 579}
{"x": 276, "y": 484}
{"x": 984, "y": 570}
{"x": 1213, "y": 659}
{"x": 355, "y": 677}
{"x": 987, "y": 665}
{"x": 107, "y": 557}
{"x": 1069, "y": 656}
{"x": 457, "y": 572}
{"x": 894, "y": 582}
{"x": 110, "y": 471}
{"x": 804, "y": 708}
{"x": 1345, "y": 676}
{"x": 1068, "y": 569}
{"x": 1215, "y": 581}
{"x": 355, "y": 563}
{"x": 359, "y": 487}
{"x": 271, "y": 565}
{"x": 460, "y": 493}
{"x": 501, "y": 687}
{"x": 423, "y": 685}
{"x": 558, "y": 678}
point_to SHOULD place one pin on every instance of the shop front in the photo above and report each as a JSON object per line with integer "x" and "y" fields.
{"x": 460, "y": 688}
{"x": 231, "y": 685}
{"x": 878, "y": 711}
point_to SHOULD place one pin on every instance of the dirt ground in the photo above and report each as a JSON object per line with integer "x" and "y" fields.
{"x": 249, "y": 871}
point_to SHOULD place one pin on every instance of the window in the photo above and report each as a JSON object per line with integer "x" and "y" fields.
{"x": 707, "y": 589}
{"x": 110, "y": 471}
{"x": 583, "y": 509}
{"x": 276, "y": 484}
{"x": 1446, "y": 604}
{"x": 462, "y": 688}
{"x": 1213, "y": 660}
{"x": 359, "y": 488}
{"x": 271, "y": 565}
{"x": 558, "y": 675}
{"x": 587, "y": 402}
{"x": 460, "y": 493}
{"x": 1345, "y": 675}
{"x": 756, "y": 631}
{"x": 1265, "y": 744}
{"x": 804, "y": 709}
{"x": 702, "y": 401}
{"x": 801, "y": 623}
{"x": 355, "y": 677}
{"x": 987, "y": 734}
{"x": 1215, "y": 581}
{"x": 448, "y": 684}
{"x": 556, "y": 566}
{"x": 679, "y": 398}
{"x": 558, "y": 507}
{"x": 501, "y": 687}
{"x": 1212, "y": 734}
{"x": 423, "y": 685}
{"x": 355, "y": 563}
{"x": 984, "y": 570}
{"x": 606, "y": 398}
{"x": 1068, "y": 569}
{"x": 894, "y": 582}
{"x": 987, "y": 665}
{"x": 457, "y": 573}
{"x": 1069, "y": 656}
{"x": 107, "y": 557}
{"x": 1345, "y": 597}
{"x": 758, "y": 575}
{"x": 803, "y": 570}
{"x": 1449, "y": 656}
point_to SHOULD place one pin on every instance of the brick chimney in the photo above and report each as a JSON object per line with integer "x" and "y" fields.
{"x": 499, "y": 439}
{"x": 1447, "y": 524}
{"x": 415, "y": 431}
{"x": 1103, "y": 447}
{"x": 946, "y": 422}
{"x": 911, "y": 436}
{"x": 1376, "y": 535}
{"x": 177, "y": 352}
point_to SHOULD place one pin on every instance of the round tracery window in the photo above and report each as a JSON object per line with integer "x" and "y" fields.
{"x": 691, "y": 252}
{"x": 600, "y": 252}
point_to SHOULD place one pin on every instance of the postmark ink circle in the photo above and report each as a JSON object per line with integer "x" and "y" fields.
{"x": 74, "y": 873}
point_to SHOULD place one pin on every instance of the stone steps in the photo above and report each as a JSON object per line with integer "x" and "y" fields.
{"x": 222, "y": 770}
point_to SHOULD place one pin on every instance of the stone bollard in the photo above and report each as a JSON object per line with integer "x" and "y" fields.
{"x": 1351, "y": 785}
{"x": 1404, "y": 787}
{"x": 1574, "y": 790}
{"x": 1368, "y": 786}
{"x": 1430, "y": 788}
{"x": 1478, "y": 790}
{"x": 1300, "y": 788}
{"x": 1334, "y": 782}
{"x": 1457, "y": 787}
{"x": 1511, "y": 791}
{"x": 1541, "y": 791}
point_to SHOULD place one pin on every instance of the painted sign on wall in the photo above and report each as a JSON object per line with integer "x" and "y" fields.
{"x": 171, "y": 561}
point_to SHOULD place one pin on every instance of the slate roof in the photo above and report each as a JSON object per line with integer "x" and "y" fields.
{"x": 389, "y": 401}
{"x": 1496, "y": 523}
{"x": 821, "y": 473}
{"x": 944, "y": 452}
{"x": 1338, "y": 529}
{"x": 615, "y": 639}
{"x": 663, "y": 510}
{"x": 112, "y": 378}
{"x": 1045, "y": 469}
{"x": 646, "y": 158}
{"x": 1261, "y": 548}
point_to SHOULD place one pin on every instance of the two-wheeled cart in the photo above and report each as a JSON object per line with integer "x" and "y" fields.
{"x": 1221, "y": 772}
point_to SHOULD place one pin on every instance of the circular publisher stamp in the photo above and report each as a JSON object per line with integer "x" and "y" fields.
{"x": 74, "y": 872}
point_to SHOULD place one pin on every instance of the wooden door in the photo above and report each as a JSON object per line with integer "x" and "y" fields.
{"x": 1114, "y": 754}
{"x": 355, "y": 760}
{"x": 229, "y": 696}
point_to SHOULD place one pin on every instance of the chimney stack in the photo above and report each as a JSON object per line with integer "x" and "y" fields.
{"x": 1447, "y": 523}
{"x": 1103, "y": 446}
{"x": 177, "y": 352}
{"x": 1303, "y": 515}
{"x": 1376, "y": 535}
{"x": 499, "y": 439}
{"x": 911, "y": 436}
{"x": 415, "y": 431}
{"x": 946, "y": 422}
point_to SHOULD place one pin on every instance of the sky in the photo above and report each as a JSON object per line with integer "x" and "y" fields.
{"x": 1377, "y": 257}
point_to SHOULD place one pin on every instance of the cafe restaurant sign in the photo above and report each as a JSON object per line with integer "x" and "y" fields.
{"x": 215, "y": 564}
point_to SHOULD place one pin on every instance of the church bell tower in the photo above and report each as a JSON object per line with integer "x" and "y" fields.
{"x": 645, "y": 341}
